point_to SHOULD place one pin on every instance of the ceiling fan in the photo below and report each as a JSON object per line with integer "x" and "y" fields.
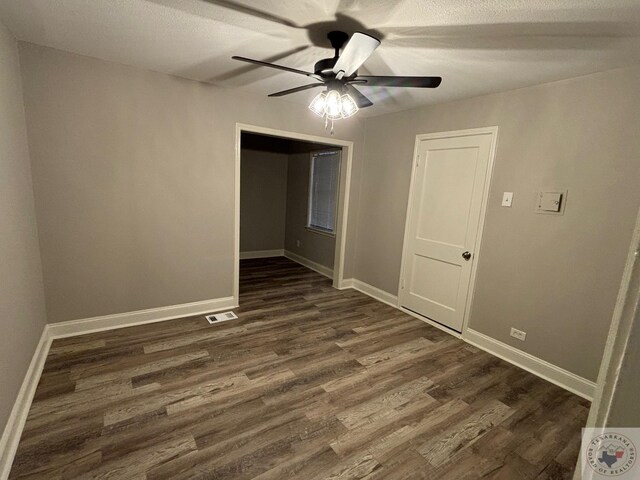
{"x": 340, "y": 73}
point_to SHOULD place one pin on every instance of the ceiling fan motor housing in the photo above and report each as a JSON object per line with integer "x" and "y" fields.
{"x": 325, "y": 66}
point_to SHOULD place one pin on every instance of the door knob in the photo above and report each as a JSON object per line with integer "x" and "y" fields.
{"x": 466, "y": 256}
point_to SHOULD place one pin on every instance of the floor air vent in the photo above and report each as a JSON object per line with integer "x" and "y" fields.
{"x": 221, "y": 317}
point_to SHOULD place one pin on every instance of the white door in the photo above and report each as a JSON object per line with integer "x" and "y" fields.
{"x": 444, "y": 217}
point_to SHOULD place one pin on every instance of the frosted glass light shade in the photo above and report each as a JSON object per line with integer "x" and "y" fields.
{"x": 318, "y": 104}
{"x": 349, "y": 106}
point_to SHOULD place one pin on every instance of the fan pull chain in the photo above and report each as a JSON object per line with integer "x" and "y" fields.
{"x": 326, "y": 124}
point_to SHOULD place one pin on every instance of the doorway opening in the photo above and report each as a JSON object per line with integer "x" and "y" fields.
{"x": 292, "y": 196}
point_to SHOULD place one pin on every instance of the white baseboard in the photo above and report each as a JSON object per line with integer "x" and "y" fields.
{"x": 321, "y": 269}
{"x": 261, "y": 254}
{"x": 373, "y": 292}
{"x": 543, "y": 369}
{"x": 346, "y": 283}
{"x": 139, "y": 317}
{"x": 18, "y": 416}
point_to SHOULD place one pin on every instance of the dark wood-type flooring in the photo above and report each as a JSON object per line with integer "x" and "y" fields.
{"x": 310, "y": 382}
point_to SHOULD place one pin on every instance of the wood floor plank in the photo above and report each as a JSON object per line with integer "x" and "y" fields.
{"x": 464, "y": 433}
{"x": 360, "y": 466}
{"x": 173, "y": 396}
{"x": 62, "y": 350}
{"x": 135, "y": 464}
{"x": 374, "y": 427}
{"x": 100, "y": 379}
{"x": 309, "y": 382}
{"x": 399, "y": 396}
{"x": 408, "y": 465}
{"x": 414, "y": 346}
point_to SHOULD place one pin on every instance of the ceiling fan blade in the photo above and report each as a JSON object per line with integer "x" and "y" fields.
{"x": 359, "y": 98}
{"x": 208, "y": 9}
{"x": 358, "y": 49}
{"x": 297, "y": 89}
{"x": 279, "y": 67}
{"x": 242, "y": 70}
{"x": 393, "y": 81}
{"x": 254, "y": 12}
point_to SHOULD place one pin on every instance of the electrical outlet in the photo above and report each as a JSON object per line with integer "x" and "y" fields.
{"x": 519, "y": 334}
{"x": 297, "y": 243}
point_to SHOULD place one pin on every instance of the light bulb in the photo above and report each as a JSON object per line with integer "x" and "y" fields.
{"x": 333, "y": 107}
{"x": 349, "y": 106}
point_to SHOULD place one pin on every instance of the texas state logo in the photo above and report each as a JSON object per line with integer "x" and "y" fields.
{"x": 610, "y": 454}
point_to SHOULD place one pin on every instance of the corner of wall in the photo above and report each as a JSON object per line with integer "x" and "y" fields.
{"x": 22, "y": 299}
{"x": 33, "y": 195}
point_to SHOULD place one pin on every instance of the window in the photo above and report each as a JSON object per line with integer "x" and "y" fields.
{"x": 323, "y": 191}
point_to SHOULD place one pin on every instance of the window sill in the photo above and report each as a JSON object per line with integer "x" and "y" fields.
{"x": 320, "y": 232}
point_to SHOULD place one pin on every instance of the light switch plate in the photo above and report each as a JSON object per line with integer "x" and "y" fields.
{"x": 551, "y": 202}
{"x": 507, "y": 199}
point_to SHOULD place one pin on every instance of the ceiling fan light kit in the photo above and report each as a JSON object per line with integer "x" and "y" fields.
{"x": 340, "y": 73}
{"x": 333, "y": 105}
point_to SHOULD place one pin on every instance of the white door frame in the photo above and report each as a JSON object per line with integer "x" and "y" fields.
{"x": 626, "y": 316}
{"x": 483, "y": 210}
{"x": 343, "y": 197}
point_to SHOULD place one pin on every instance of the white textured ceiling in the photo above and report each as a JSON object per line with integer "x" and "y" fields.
{"x": 477, "y": 46}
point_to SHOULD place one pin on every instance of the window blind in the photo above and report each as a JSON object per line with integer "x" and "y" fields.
{"x": 323, "y": 191}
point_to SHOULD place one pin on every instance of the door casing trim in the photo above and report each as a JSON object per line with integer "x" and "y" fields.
{"x": 493, "y": 131}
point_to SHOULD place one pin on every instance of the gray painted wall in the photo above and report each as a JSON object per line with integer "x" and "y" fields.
{"x": 314, "y": 246}
{"x": 22, "y": 309}
{"x": 263, "y": 200}
{"x": 133, "y": 175}
{"x": 555, "y": 277}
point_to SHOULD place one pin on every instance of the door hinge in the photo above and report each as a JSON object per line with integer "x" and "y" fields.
{"x": 418, "y": 161}
{"x": 402, "y": 284}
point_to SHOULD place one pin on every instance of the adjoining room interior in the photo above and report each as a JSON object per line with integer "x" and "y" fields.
{"x": 348, "y": 240}
{"x": 289, "y": 200}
